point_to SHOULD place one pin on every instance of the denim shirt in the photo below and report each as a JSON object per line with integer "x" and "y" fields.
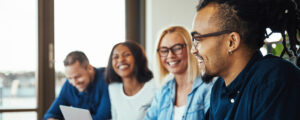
{"x": 198, "y": 101}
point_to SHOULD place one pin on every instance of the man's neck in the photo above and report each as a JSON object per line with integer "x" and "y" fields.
{"x": 93, "y": 74}
{"x": 238, "y": 62}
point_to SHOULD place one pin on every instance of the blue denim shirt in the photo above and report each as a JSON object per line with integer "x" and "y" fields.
{"x": 162, "y": 106}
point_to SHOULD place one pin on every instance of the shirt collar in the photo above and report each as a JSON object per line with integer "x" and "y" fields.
{"x": 196, "y": 83}
{"x": 172, "y": 85}
{"x": 171, "y": 89}
{"x": 239, "y": 80}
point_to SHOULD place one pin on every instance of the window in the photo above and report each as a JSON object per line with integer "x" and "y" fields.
{"x": 92, "y": 26}
{"x": 18, "y": 63}
{"x": 26, "y": 49}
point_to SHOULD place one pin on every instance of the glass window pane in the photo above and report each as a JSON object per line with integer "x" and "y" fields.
{"x": 18, "y": 116}
{"x": 18, "y": 50}
{"x": 92, "y": 26}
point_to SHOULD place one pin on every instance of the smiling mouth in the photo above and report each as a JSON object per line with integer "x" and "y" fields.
{"x": 81, "y": 86}
{"x": 123, "y": 66}
{"x": 173, "y": 63}
{"x": 200, "y": 60}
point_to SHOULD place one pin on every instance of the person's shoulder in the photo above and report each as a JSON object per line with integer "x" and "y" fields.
{"x": 151, "y": 85}
{"x": 114, "y": 90}
{"x": 100, "y": 76}
{"x": 169, "y": 84}
{"x": 166, "y": 89}
{"x": 114, "y": 86}
{"x": 276, "y": 62}
{"x": 163, "y": 95}
{"x": 67, "y": 90}
{"x": 100, "y": 70}
{"x": 218, "y": 85}
{"x": 275, "y": 65}
{"x": 67, "y": 85}
{"x": 150, "y": 88}
{"x": 272, "y": 69}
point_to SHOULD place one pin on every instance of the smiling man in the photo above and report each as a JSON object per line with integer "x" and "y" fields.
{"x": 227, "y": 37}
{"x": 84, "y": 88}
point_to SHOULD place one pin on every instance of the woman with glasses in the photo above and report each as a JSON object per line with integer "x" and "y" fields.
{"x": 185, "y": 97}
{"x": 131, "y": 89}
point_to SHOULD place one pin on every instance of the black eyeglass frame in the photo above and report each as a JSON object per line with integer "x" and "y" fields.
{"x": 194, "y": 38}
{"x": 171, "y": 48}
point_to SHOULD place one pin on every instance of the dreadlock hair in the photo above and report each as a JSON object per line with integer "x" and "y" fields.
{"x": 250, "y": 18}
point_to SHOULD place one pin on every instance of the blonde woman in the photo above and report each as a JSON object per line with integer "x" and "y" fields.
{"x": 185, "y": 97}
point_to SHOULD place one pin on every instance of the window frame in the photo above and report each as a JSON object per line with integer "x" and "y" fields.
{"x": 135, "y": 13}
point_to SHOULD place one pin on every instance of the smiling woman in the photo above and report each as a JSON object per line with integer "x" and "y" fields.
{"x": 185, "y": 96}
{"x": 130, "y": 84}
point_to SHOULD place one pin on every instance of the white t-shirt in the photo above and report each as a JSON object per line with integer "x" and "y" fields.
{"x": 125, "y": 107}
{"x": 178, "y": 112}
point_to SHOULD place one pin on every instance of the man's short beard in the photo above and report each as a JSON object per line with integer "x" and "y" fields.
{"x": 207, "y": 78}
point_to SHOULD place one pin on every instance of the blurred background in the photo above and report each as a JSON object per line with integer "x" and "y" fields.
{"x": 36, "y": 35}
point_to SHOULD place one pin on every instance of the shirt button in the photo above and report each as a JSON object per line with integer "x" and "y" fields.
{"x": 238, "y": 92}
{"x": 232, "y": 100}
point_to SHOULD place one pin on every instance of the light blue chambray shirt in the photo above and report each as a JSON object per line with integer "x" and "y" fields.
{"x": 198, "y": 102}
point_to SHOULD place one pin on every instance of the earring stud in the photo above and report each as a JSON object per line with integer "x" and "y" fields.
{"x": 230, "y": 52}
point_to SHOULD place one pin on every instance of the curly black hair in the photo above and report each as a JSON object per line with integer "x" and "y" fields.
{"x": 250, "y": 18}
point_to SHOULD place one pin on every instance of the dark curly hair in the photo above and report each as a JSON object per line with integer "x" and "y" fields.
{"x": 141, "y": 70}
{"x": 250, "y": 18}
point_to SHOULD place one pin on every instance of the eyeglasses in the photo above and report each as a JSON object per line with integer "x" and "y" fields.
{"x": 196, "y": 36}
{"x": 175, "y": 49}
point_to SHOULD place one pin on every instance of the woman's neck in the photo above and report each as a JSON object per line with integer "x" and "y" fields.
{"x": 131, "y": 86}
{"x": 181, "y": 79}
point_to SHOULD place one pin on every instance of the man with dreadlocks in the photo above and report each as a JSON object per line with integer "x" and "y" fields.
{"x": 227, "y": 35}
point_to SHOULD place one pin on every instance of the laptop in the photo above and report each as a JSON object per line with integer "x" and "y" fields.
{"x": 73, "y": 113}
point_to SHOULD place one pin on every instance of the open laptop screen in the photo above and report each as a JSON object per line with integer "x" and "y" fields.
{"x": 73, "y": 113}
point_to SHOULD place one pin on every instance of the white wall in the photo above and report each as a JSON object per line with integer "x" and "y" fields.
{"x": 164, "y": 13}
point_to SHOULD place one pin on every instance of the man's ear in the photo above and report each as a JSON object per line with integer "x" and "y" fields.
{"x": 234, "y": 42}
{"x": 90, "y": 67}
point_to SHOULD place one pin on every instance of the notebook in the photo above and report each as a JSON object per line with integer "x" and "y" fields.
{"x": 73, "y": 113}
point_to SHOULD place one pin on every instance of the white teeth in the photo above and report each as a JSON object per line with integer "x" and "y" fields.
{"x": 200, "y": 60}
{"x": 173, "y": 63}
{"x": 123, "y": 66}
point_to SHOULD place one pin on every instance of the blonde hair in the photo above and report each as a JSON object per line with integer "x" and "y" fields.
{"x": 192, "y": 69}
